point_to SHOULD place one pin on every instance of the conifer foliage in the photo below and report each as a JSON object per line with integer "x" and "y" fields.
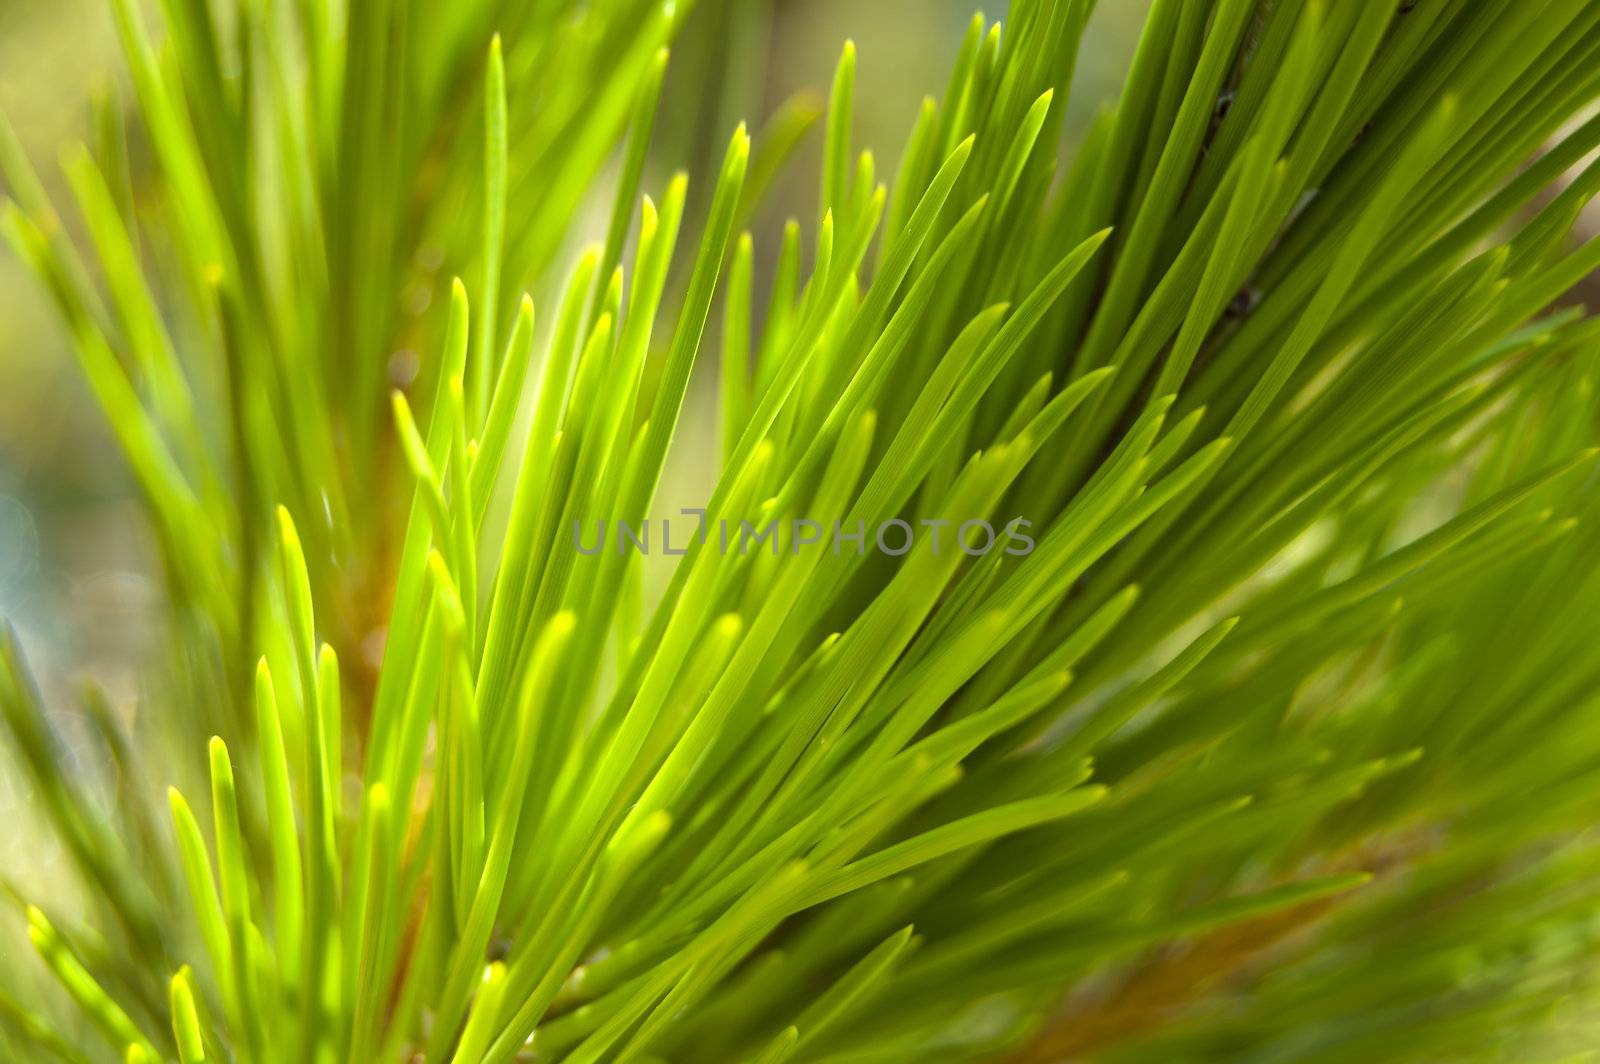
{"x": 1279, "y": 743}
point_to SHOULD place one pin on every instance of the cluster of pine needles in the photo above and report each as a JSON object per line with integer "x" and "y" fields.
{"x": 1283, "y": 744}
